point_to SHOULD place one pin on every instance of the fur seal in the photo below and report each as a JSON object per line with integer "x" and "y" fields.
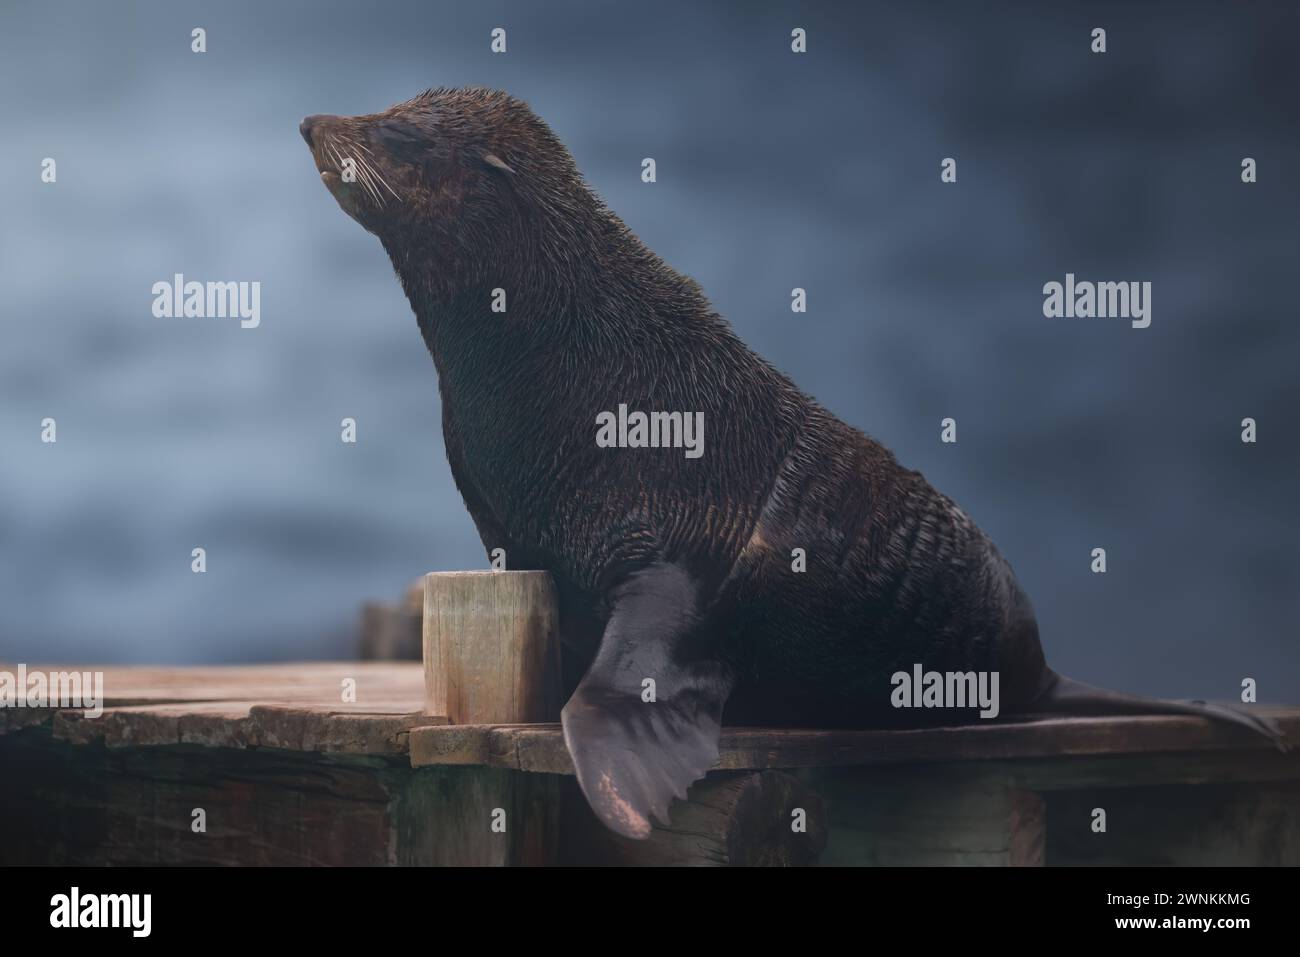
{"x": 668, "y": 567}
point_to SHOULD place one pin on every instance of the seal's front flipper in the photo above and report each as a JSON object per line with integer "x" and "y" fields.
{"x": 637, "y": 745}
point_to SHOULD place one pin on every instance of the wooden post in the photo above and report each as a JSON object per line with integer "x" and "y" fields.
{"x": 491, "y": 647}
{"x": 491, "y": 656}
{"x": 391, "y": 632}
{"x": 394, "y": 631}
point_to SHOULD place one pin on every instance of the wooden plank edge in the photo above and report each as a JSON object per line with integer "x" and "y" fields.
{"x": 540, "y": 748}
{"x": 242, "y": 724}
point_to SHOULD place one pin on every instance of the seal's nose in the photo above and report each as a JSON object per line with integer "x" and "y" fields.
{"x": 305, "y": 127}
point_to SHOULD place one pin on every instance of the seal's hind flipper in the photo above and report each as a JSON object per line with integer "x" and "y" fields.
{"x": 634, "y": 751}
{"x": 1067, "y": 696}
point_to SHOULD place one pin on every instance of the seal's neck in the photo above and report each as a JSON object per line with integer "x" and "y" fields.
{"x": 556, "y": 282}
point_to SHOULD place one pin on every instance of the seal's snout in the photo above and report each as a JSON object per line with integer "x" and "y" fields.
{"x": 308, "y": 124}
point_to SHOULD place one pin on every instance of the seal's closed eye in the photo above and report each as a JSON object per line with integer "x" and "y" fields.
{"x": 400, "y": 139}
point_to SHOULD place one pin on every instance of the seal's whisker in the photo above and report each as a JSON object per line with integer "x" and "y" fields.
{"x": 371, "y": 188}
{"x": 338, "y": 158}
{"x": 371, "y": 179}
{"x": 383, "y": 182}
{"x": 369, "y": 164}
{"x": 367, "y": 179}
{"x": 366, "y": 174}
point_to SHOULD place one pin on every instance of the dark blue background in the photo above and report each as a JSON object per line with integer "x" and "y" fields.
{"x": 775, "y": 171}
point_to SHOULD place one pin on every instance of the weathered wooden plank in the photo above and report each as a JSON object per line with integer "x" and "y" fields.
{"x": 242, "y": 724}
{"x": 905, "y": 815}
{"x": 15, "y": 719}
{"x": 1143, "y": 770}
{"x": 541, "y": 747}
{"x": 263, "y": 806}
{"x": 218, "y": 723}
{"x": 313, "y": 706}
{"x": 380, "y": 687}
{"x": 136, "y": 805}
{"x": 182, "y": 706}
{"x": 301, "y": 729}
{"x": 1211, "y": 825}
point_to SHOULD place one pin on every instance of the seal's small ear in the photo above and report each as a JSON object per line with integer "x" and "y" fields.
{"x": 493, "y": 160}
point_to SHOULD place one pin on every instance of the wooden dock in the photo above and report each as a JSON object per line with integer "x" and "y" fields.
{"x": 281, "y": 769}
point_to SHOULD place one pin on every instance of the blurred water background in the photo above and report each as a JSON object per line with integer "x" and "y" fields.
{"x": 775, "y": 171}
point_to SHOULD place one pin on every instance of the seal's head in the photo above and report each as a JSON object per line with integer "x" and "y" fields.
{"x": 454, "y": 180}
